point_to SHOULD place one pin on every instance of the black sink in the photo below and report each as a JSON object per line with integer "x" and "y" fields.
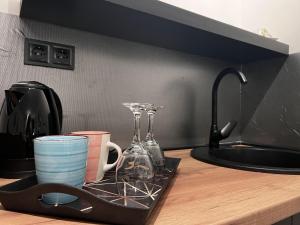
{"x": 254, "y": 158}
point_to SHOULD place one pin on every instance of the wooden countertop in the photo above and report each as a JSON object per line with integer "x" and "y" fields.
{"x": 204, "y": 194}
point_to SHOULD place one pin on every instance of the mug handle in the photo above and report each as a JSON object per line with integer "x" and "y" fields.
{"x": 117, "y": 147}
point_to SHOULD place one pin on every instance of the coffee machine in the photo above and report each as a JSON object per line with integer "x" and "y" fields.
{"x": 30, "y": 109}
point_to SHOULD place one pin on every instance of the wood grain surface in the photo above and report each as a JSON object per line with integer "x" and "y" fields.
{"x": 204, "y": 194}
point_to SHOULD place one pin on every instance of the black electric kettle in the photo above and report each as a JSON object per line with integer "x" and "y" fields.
{"x": 30, "y": 109}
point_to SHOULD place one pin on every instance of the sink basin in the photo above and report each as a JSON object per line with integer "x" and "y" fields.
{"x": 254, "y": 158}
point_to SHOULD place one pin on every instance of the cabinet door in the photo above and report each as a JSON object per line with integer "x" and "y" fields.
{"x": 296, "y": 219}
{"x": 287, "y": 221}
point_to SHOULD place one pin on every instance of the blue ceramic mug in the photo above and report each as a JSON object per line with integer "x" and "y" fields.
{"x": 60, "y": 159}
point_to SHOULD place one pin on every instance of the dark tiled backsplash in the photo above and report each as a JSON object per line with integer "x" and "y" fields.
{"x": 109, "y": 71}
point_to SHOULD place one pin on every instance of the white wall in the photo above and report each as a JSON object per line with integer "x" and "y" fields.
{"x": 227, "y": 11}
{"x": 280, "y": 17}
{"x": 10, "y": 6}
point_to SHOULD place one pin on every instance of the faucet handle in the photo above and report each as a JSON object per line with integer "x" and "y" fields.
{"x": 227, "y": 129}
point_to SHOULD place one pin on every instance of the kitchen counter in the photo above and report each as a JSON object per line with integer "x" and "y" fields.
{"x": 208, "y": 195}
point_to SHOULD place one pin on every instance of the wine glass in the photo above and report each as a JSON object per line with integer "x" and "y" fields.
{"x": 134, "y": 172}
{"x": 150, "y": 144}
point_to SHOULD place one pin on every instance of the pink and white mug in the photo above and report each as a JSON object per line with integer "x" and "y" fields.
{"x": 98, "y": 150}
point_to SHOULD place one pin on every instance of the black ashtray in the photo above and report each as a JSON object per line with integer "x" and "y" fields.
{"x": 97, "y": 201}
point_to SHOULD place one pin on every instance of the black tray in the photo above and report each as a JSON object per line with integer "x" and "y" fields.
{"x": 98, "y": 202}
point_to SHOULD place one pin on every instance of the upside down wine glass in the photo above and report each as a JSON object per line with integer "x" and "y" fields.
{"x": 134, "y": 171}
{"x": 150, "y": 144}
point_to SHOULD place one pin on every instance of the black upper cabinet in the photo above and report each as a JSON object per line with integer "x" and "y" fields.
{"x": 156, "y": 23}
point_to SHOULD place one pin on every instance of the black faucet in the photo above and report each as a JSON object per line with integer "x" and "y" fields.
{"x": 215, "y": 134}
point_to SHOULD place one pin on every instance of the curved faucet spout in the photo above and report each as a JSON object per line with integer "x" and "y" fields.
{"x": 215, "y": 134}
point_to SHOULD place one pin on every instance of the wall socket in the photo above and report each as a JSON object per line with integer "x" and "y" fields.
{"x": 43, "y": 53}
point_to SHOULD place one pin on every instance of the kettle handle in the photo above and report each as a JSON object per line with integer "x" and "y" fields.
{"x": 59, "y": 107}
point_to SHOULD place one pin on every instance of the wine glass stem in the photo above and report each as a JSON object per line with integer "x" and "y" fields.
{"x": 137, "y": 133}
{"x": 150, "y": 135}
